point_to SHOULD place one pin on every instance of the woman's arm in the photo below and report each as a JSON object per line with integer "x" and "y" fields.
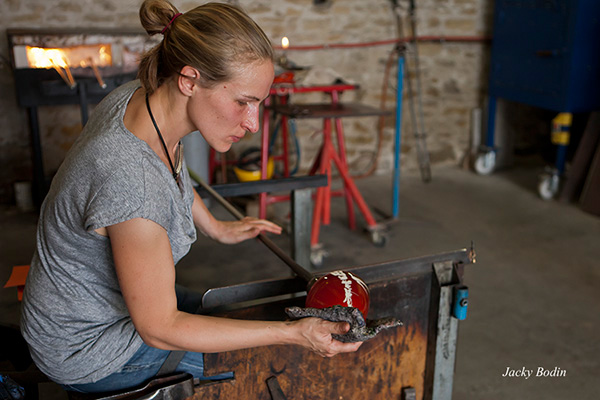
{"x": 146, "y": 273}
{"x": 228, "y": 231}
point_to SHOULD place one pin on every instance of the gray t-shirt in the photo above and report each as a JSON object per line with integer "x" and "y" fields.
{"x": 73, "y": 314}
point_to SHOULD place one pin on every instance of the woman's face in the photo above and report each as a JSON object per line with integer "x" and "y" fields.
{"x": 225, "y": 112}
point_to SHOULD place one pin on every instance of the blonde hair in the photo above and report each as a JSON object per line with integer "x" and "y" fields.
{"x": 214, "y": 38}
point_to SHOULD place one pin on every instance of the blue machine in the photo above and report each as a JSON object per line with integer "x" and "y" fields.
{"x": 545, "y": 53}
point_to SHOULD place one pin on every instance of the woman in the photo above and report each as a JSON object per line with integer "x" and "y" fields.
{"x": 100, "y": 309}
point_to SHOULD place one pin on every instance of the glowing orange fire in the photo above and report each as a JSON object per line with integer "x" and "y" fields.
{"x": 92, "y": 56}
{"x": 40, "y": 57}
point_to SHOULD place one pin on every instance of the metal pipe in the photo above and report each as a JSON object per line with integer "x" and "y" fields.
{"x": 440, "y": 39}
{"x": 97, "y": 73}
{"x": 421, "y": 136}
{"x": 62, "y": 75}
{"x": 83, "y": 103}
{"x": 297, "y": 268}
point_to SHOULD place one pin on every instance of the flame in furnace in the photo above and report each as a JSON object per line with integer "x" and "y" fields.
{"x": 78, "y": 56}
{"x": 46, "y": 58}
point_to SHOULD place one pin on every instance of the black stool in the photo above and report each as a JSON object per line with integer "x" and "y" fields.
{"x": 171, "y": 387}
{"x": 16, "y": 363}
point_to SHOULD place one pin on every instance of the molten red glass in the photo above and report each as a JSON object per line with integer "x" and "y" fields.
{"x": 339, "y": 288}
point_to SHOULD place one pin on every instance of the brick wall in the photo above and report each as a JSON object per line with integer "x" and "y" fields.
{"x": 453, "y": 73}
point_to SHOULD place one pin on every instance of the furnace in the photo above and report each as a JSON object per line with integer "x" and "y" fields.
{"x": 69, "y": 67}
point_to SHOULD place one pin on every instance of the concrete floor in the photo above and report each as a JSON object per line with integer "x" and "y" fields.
{"x": 534, "y": 298}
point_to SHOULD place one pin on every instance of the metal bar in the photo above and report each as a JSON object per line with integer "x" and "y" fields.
{"x": 339, "y": 130}
{"x": 228, "y": 295}
{"x": 266, "y": 186}
{"x": 274, "y": 389}
{"x": 316, "y": 163}
{"x": 422, "y": 152}
{"x": 286, "y": 90}
{"x": 561, "y": 156}
{"x": 369, "y": 273}
{"x": 43, "y": 87}
{"x": 39, "y": 178}
{"x": 411, "y": 266}
{"x": 63, "y": 75}
{"x": 83, "y": 102}
{"x": 97, "y": 74}
{"x": 397, "y": 138}
{"x": 328, "y": 152}
{"x": 447, "y": 333}
{"x": 335, "y": 110}
{"x": 316, "y": 218}
{"x": 360, "y": 202}
{"x": 301, "y": 207}
{"x": 298, "y": 269}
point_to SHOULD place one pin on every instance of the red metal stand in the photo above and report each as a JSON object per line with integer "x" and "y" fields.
{"x": 279, "y": 94}
{"x": 327, "y": 157}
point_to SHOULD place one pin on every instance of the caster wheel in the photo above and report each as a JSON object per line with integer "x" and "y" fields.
{"x": 548, "y": 186}
{"x": 317, "y": 255}
{"x": 378, "y": 238}
{"x": 485, "y": 163}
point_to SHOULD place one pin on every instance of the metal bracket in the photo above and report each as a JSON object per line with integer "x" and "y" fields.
{"x": 274, "y": 389}
{"x": 447, "y": 332}
{"x": 409, "y": 393}
{"x": 444, "y": 271}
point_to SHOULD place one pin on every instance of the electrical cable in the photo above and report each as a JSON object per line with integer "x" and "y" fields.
{"x": 292, "y": 131}
{"x": 381, "y": 123}
{"x": 292, "y": 123}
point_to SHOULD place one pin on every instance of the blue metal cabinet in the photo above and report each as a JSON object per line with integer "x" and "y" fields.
{"x": 545, "y": 53}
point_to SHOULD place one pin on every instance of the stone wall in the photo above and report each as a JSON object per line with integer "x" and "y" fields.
{"x": 453, "y": 74}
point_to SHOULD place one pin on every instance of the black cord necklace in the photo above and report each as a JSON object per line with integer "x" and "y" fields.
{"x": 179, "y": 163}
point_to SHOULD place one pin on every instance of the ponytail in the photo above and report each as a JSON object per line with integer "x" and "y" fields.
{"x": 214, "y": 38}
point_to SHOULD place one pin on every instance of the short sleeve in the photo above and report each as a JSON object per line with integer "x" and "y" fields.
{"x": 119, "y": 198}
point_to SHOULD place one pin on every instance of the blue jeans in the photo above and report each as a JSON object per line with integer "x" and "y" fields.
{"x": 142, "y": 367}
{"x": 146, "y": 362}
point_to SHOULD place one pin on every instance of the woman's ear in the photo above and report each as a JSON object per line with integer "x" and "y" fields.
{"x": 188, "y": 79}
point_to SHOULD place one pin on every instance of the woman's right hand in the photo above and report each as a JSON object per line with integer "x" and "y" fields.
{"x": 315, "y": 335}
{"x": 144, "y": 265}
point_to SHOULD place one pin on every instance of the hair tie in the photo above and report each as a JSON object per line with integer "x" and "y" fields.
{"x": 170, "y": 22}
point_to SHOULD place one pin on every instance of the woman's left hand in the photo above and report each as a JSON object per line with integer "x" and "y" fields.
{"x": 230, "y": 232}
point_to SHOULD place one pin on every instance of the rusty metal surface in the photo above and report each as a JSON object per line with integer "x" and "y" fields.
{"x": 381, "y": 368}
